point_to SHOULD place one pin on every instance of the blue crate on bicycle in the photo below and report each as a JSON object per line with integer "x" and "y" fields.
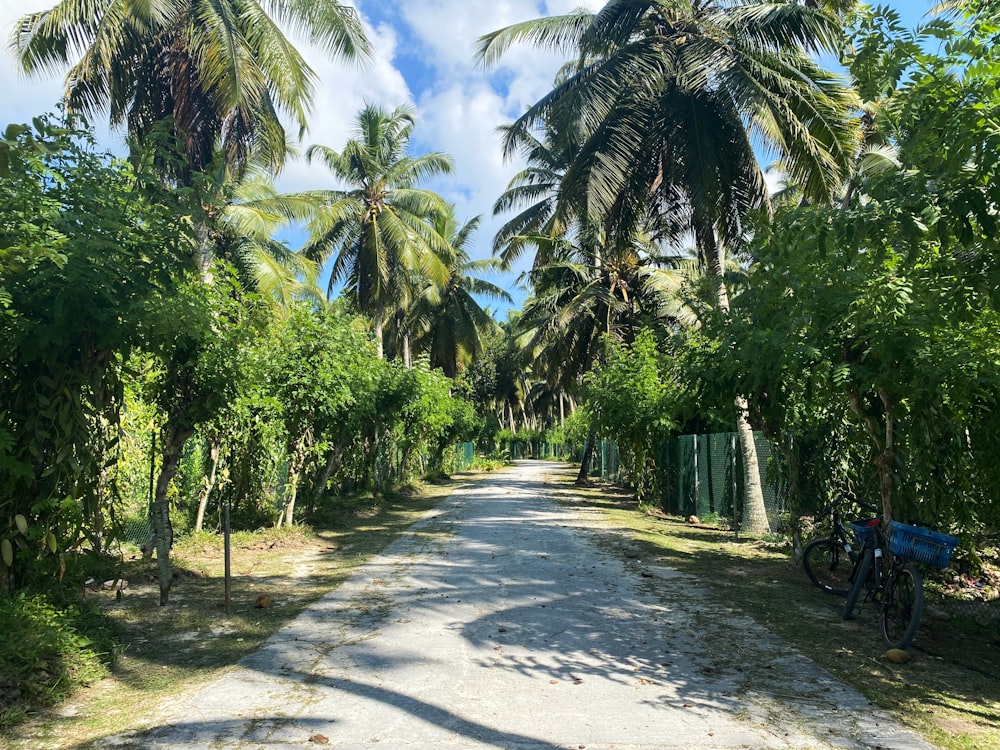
{"x": 865, "y": 529}
{"x": 922, "y": 545}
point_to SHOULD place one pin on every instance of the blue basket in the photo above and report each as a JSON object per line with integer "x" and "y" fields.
{"x": 922, "y": 545}
{"x": 865, "y": 529}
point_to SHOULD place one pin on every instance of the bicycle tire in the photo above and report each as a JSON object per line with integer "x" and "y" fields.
{"x": 859, "y": 578}
{"x": 902, "y": 605}
{"x": 828, "y": 565}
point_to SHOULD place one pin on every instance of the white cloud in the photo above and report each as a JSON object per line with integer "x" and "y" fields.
{"x": 342, "y": 91}
{"x": 448, "y": 29}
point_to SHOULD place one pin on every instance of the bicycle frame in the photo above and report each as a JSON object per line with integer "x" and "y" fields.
{"x": 884, "y": 576}
{"x": 869, "y": 568}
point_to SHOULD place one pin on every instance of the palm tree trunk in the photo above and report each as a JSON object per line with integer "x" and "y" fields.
{"x": 755, "y": 519}
{"x": 754, "y": 511}
{"x": 205, "y": 250}
{"x": 379, "y": 324}
{"x": 588, "y": 454}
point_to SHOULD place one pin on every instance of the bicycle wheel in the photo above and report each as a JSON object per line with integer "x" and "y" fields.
{"x": 859, "y": 578}
{"x": 828, "y": 566}
{"x": 902, "y": 605}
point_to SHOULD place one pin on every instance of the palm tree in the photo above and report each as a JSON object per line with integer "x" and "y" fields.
{"x": 673, "y": 98}
{"x": 584, "y": 290}
{"x": 450, "y": 318}
{"x": 221, "y": 71}
{"x": 379, "y": 228}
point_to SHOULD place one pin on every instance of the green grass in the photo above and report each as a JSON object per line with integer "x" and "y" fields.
{"x": 50, "y": 645}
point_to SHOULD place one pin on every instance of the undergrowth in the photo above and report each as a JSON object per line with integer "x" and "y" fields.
{"x": 51, "y": 644}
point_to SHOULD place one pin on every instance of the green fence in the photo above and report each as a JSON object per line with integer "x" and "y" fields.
{"x": 465, "y": 454}
{"x": 702, "y": 475}
{"x": 538, "y": 449}
{"x": 606, "y": 460}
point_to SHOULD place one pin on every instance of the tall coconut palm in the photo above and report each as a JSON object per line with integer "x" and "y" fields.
{"x": 221, "y": 71}
{"x": 450, "y": 319}
{"x": 676, "y": 98}
{"x": 378, "y": 230}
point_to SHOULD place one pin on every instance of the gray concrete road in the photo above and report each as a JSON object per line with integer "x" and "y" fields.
{"x": 498, "y": 621}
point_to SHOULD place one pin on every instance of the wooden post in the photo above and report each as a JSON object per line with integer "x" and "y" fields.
{"x": 225, "y": 533}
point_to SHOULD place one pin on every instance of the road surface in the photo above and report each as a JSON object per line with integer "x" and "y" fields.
{"x": 506, "y": 620}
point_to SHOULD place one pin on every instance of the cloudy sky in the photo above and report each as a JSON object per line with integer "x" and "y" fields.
{"x": 425, "y": 57}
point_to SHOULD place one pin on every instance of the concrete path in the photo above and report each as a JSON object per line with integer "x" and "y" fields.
{"x": 498, "y": 621}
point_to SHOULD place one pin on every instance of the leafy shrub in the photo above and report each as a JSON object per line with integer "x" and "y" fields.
{"x": 49, "y": 648}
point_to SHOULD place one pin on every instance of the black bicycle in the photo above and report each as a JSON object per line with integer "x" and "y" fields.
{"x": 886, "y": 571}
{"x": 828, "y": 561}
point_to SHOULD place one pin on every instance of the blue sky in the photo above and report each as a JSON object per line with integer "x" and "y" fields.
{"x": 425, "y": 56}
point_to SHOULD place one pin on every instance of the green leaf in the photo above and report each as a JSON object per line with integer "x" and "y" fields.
{"x": 12, "y": 131}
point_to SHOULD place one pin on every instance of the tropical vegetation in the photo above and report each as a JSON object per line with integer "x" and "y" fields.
{"x": 170, "y": 366}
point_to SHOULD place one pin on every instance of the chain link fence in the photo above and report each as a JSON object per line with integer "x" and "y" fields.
{"x": 465, "y": 455}
{"x": 702, "y": 475}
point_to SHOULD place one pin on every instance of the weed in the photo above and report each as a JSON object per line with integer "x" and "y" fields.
{"x": 49, "y": 647}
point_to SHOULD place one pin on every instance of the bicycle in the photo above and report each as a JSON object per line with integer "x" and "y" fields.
{"x": 828, "y": 561}
{"x": 894, "y": 581}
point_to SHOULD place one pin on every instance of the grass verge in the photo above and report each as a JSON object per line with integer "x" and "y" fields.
{"x": 949, "y": 692}
{"x": 169, "y": 650}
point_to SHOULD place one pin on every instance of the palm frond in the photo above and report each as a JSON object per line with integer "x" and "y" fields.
{"x": 559, "y": 33}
